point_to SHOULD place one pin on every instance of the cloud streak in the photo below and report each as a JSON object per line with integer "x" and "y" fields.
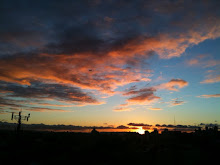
{"x": 36, "y": 97}
{"x": 212, "y": 79}
{"x": 177, "y": 102}
{"x": 49, "y": 91}
{"x": 142, "y": 96}
{"x": 120, "y": 109}
{"x": 209, "y": 96}
{"x": 155, "y": 109}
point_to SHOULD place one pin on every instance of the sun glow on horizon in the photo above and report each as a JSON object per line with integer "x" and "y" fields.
{"x": 141, "y": 131}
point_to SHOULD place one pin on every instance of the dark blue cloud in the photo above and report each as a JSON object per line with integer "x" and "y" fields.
{"x": 47, "y": 91}
{"x": 28, "y": 25}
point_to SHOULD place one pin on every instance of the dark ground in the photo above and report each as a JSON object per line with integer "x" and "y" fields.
{"x": 36, "y": 148}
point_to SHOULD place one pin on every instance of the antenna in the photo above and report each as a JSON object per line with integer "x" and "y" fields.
{"x": 19, "y": 118}
{"x": 12, "y": 115}
{"x": 28, "y": 116}
{"x": 174, "y": 123}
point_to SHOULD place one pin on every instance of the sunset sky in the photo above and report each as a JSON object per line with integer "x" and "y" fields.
{"x": 110, "y": 62}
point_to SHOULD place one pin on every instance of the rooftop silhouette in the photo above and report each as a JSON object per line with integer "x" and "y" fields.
{"x": 167, "y": 147}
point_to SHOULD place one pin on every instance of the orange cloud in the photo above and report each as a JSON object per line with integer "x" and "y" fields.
{"x": 214, "y": 79}
{"x": 144, "y": 98}
{"x": 173, "y": 84}
{"x": 212, "y": 63}
{"x": 176, "y": 102}
{"x": 52, "y": 105}
{"x": 204, "y": 61}
{"x": 85, "y": 60}
{"x": 207, "y": 61}
{"x": 141, "y": 96}
{"x": 193, "y": 62}
{"x": 172, "y": 45}
{"x": 146, "y": 95}
{"x": 133, "y": 91}
{"x": 84, "y": 71}
{"x": 155, "y": 109}
{"x": 40, "y": 109}
{"x": 210, "y": 96}
{"x": 103, "y": 70}
{"x": 122, "y": 109}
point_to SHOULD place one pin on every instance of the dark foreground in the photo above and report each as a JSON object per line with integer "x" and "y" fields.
{"x": 36, "y": 148}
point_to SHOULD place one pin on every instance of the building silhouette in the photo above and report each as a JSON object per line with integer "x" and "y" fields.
{"x": 94, "y": 132}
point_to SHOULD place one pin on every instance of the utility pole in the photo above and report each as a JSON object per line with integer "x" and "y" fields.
{"x": 19, "y": 118}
